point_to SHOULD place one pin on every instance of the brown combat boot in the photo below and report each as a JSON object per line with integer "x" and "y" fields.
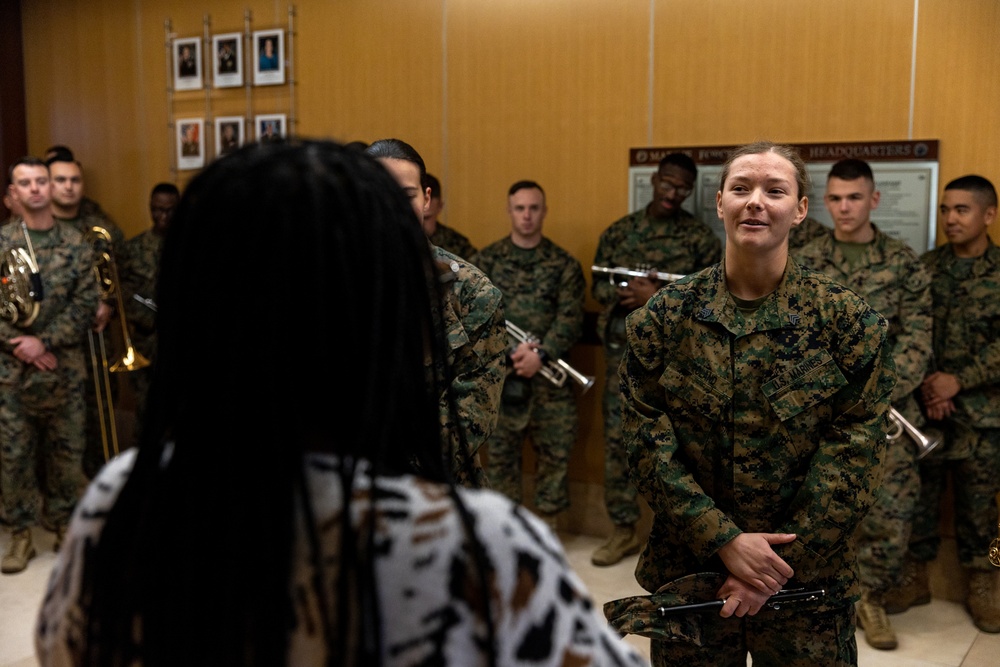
{"x": 875, "y": 622}
{"x": 623, "y": 542}
{"x": 982, "y": 601}
{"x": 914, "y": 588}
{"x": 19, "y": 552}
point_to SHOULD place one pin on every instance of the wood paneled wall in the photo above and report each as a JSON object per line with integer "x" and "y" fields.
{"x": 553, "y": 90}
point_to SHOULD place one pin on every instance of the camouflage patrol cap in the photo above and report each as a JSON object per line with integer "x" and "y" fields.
{"x": 648, "y": 615}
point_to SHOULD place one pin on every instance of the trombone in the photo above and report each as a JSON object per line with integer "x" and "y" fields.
{"x": 108, "y": 284}
{"x": 555, "y": 371}
{"x": 900, "y": 425}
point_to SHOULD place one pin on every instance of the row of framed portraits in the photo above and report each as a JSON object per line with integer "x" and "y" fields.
{"x": 227, "y": 60}
{"x": 230, "y": 134}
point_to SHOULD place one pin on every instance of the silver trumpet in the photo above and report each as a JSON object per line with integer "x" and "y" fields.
{"x": 900, "y": 425}
{"x": 555, "y": 371}
{"x": 617, "y": 274}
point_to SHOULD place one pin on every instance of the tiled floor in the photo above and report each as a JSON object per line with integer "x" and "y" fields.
{"x": 936, "y": 635}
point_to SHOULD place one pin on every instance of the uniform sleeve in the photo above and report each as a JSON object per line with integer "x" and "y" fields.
{"x": 67, "y": 328}
{"x": 651, "y": 447}
{"x": 913, "y": 343}
{"x": 568, "y": 323}
{"x": 480, "y": 364}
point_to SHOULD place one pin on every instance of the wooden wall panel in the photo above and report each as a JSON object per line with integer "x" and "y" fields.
{"x": 958, "y": 88}
{"x": 557, "y": 91}
{"x": 729, "y": 72}
{"x": 371, "y": 71}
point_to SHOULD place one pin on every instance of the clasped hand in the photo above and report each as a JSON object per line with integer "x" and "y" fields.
{"x": 756, "y": 572}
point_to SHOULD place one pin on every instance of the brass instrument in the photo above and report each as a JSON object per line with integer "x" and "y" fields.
{"x": 555, "y": 371}
{"x": 18, "y": 298}
{"x": 131, "y": 359}
{"x": 900, "y": 425}
{"x": 995, "y": 544}
{"x": 615, "y": 274}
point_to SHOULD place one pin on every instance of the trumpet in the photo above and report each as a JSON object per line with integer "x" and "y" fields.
{"x": 555, "y": 371}
{"x": 617, "y": 274}
{"x": 900, "y": 425}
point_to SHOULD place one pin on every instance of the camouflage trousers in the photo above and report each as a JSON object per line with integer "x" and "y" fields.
{"x": 787, "y": 638}
{"x": 41, "y": 443}
{"x": 974, "y": 482}
{"x": 620, "y": 494}
{"x": 549, "y": 418}
{"x": 884, "y": 534}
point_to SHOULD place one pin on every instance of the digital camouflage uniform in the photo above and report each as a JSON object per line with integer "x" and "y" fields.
{"x": 42, "y": 412}
{"x": 680, "y": 244}
{"x": 93, "y": 456}
{"x": 772, "y": 421}
{"x": 543, "y": 291}
{"x": 477, "y": 338}
{"x": 803, "y": 233}
{"x": 967, "y": 344}
{"x": 891, "y": 278}
{"x": 138, "y": 271}
{"x": 453, "y": 241}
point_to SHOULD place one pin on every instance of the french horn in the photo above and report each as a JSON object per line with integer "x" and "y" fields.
{"x": 19, "y": 287}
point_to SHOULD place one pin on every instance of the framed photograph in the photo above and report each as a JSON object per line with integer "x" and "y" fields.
{"x": 187, "y": 63}
{"x": 229, "y": 134}
{"x": 268, "y": 57}
{"x": 270, "y": 127}
{"x": 190, "y": 143}
{"x": 227, "y": 60}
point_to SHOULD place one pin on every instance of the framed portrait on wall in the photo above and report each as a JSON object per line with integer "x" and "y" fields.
{"x": 227, "y": 60}
{"x": 187, "y": 63}
{"x": 190, "y": 143}
{"x": 270, "y": 127}
{"x": 268, "y": 57}
{"x": 229, "y": 134}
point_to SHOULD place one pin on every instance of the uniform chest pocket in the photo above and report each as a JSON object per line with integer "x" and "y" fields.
{"x": 804, "y": 392}
{"x": 691, "y": 392}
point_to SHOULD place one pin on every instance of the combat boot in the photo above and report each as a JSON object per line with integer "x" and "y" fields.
{"x": 875, "y": 622}
{"x": 623, "y": 542}
{"x": 19, "y": 552}
{"x": 914, "y": 588}
{"x": 982, "y": 601}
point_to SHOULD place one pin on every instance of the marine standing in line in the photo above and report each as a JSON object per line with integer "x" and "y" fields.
{"x": 42, "y": 370}
{"x": 961, "y": 396}
{"x": 543, "y": 291}
{"x": 892, "y": 279}
{"x": 477, "y": 332}
{"x": 664, "y": 237}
